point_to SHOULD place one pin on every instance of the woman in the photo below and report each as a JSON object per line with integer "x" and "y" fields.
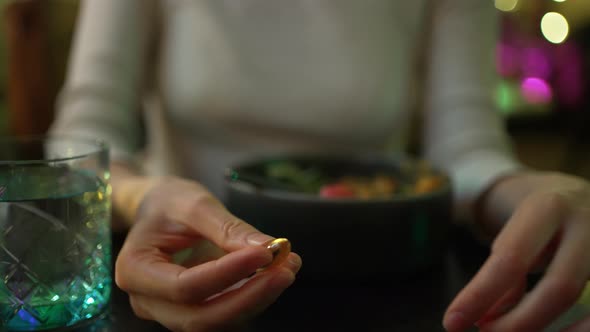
{"x": 222, "y": 80}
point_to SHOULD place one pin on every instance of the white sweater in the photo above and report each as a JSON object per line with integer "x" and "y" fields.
{"x": 219, "y": 80}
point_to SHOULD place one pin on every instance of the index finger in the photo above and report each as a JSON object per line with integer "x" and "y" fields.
{"x": 151, "y": 273}
{"x": 559, "y": 288}
{"x": 207, "y": 216}
{"x": 513, "y": 253}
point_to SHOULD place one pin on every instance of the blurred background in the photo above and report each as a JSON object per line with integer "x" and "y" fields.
{"x": 543, "y": 60}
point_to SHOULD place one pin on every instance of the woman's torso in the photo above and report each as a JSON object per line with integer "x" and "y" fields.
{"x": 261, "y": 76}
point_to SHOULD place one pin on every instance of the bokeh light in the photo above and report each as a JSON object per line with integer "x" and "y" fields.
{"x": 554, "y": 27}
{"x": 508, "y": 59}
{"x": 536, "y": 63}
{"x": 506, "y": 97}
{"x": 536, "y": 90}
{"x": 568, "y": 80}
{"x": 506, "y": 5}
{"x": 559, "y": 0}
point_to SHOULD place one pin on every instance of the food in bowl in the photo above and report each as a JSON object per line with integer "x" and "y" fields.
{"x": 377, "y": 240}
{"x": 381, "y": 185}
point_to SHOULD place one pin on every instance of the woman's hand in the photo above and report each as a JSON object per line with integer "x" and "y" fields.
{"x": 550, "y": 226}
{"x": 213, "y": 287}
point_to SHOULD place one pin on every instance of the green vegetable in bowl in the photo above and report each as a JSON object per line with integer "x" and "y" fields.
{"x": 313, "y": 180}
{"x": 307, "y": 180}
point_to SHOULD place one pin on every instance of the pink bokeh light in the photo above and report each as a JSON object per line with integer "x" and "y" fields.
{"x": 536, "y": 90}
{"x": 536, "y": 62}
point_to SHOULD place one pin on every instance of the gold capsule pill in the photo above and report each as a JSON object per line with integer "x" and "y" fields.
{"x": 280, "y": 249}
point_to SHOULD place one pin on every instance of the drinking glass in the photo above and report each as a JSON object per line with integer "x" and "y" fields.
{"x": 55, "y": 241}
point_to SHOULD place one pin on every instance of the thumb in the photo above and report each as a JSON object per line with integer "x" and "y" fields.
{"x": 212, "y": 220}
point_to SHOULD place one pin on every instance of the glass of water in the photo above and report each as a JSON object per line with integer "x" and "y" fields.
{"x": 55, "y": 241}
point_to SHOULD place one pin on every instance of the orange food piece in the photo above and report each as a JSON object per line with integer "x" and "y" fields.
{"x": 428, "y": 183}
{"x": 383, "y": 185}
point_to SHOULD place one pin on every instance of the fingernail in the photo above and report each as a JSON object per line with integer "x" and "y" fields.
{"x": 258, "y": 238}
{"x": 295, "y": 260}
{"x": 455, "y": 321}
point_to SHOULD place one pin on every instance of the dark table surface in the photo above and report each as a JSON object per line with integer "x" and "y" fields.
{"x": 414, "y": 304}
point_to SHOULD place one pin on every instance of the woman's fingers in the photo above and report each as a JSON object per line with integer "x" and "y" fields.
{"x": 292, "y": 263}
{"x": 513, "y": 253}
{"x": 227, "y": 309}
{"x": 560, "y": 287}
{"x": 505, "y": 303}
{"x": 497, "y": 276}
{"x": 208, "y": 290}
{"x": 191, "y": 205}
{"x": 234, "y": 302}
{"x": 532, "y": 227}
{"x": 205, "y": 215}
{"x": 152, "y": 274}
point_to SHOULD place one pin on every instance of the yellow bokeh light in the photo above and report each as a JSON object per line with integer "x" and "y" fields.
{"x": 559, "y": 0}
{"x": 506, "y": 5}
{"x": 554, "y": 27}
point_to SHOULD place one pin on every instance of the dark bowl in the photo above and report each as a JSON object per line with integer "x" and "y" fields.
{"x": 349, "y": 240}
